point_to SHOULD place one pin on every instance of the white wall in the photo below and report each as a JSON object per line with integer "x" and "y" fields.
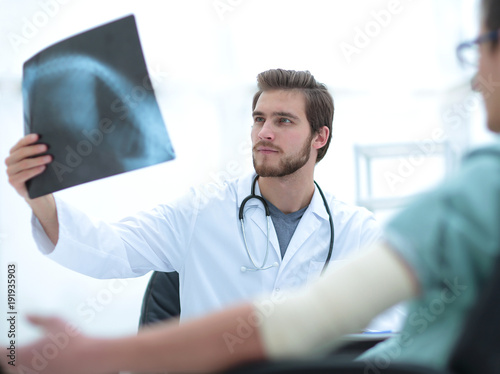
{"x": 204, "y": 56}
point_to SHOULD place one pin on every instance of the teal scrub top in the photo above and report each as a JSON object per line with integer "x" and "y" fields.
{"x": 450, "y": 238}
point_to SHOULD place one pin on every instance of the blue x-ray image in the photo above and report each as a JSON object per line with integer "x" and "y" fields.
{"x": 91, "y": 100}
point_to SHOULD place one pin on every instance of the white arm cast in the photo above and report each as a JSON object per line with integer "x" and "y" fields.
{"x": 343, "y": 301}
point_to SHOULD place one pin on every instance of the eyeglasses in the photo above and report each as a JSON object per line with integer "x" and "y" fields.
{"x": 468, "y": 52}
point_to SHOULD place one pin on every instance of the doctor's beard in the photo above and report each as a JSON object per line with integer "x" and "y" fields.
{"x": 287, "y": 164}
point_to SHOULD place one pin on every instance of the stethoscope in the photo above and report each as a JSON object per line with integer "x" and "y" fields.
{"x": 266, "y": 207}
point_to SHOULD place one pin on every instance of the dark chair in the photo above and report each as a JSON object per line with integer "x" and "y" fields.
{"x": 161, "y": 299}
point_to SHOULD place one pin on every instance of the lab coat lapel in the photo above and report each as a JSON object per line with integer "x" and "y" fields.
{"x": 310, "y": 222}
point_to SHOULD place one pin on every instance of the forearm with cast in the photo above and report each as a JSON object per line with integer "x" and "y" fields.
{"x": 342, "y": 301}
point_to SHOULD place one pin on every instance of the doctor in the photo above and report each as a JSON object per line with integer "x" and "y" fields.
{"x": 220, "y": 258}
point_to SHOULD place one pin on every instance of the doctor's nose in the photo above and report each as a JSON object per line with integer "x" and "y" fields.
{"x": 266, "y": 132}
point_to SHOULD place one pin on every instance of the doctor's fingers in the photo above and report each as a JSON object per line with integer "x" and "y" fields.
{"x": 16, "y": 166}
{"x": 26, "y": 140}
{"x": 18, "y": 154}
{"x": 22, "y": 165}
{"x": 18, "y": 181}
{"x": 19, "y": 172}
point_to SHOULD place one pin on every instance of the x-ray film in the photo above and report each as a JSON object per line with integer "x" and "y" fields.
{"x": 91, "y": 100}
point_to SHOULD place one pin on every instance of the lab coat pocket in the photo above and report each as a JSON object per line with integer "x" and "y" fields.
{"x": 315, "y": 268}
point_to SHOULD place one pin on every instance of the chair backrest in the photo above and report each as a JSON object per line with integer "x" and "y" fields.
{"x": 161, "y": 299}
{"x": 478, "y": 348}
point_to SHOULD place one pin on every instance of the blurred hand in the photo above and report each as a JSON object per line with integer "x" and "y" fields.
{"x": 22, "y": 164}
{"x": 62, "y": 350}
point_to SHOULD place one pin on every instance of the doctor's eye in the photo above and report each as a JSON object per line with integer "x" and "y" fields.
{"x": 284, "y": 120}
{"x": 259, "y": 119}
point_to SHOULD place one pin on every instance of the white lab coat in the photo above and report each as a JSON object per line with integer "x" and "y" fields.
{"x": 200, "y": 236}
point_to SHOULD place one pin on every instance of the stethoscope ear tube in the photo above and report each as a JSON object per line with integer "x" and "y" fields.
{"x": 249, "y": 197}
{"x": 253, "y": 196}
{"x": 332, "y": 231}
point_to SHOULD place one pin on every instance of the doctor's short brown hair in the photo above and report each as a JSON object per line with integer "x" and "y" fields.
{"x": 319, "y": 102}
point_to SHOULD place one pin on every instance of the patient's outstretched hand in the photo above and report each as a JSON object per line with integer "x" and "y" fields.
{"x": 62, "y": 350}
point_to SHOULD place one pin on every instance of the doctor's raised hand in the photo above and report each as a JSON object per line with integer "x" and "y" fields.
{"x": 25, "y": 161}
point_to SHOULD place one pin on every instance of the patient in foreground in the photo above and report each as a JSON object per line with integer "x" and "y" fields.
{"x": 439, "y": 253}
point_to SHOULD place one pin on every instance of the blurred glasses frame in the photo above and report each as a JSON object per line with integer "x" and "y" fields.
{"x": 467, "y": 52}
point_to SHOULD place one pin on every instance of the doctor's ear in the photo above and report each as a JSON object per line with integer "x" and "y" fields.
{"x": 321, "y": 137}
